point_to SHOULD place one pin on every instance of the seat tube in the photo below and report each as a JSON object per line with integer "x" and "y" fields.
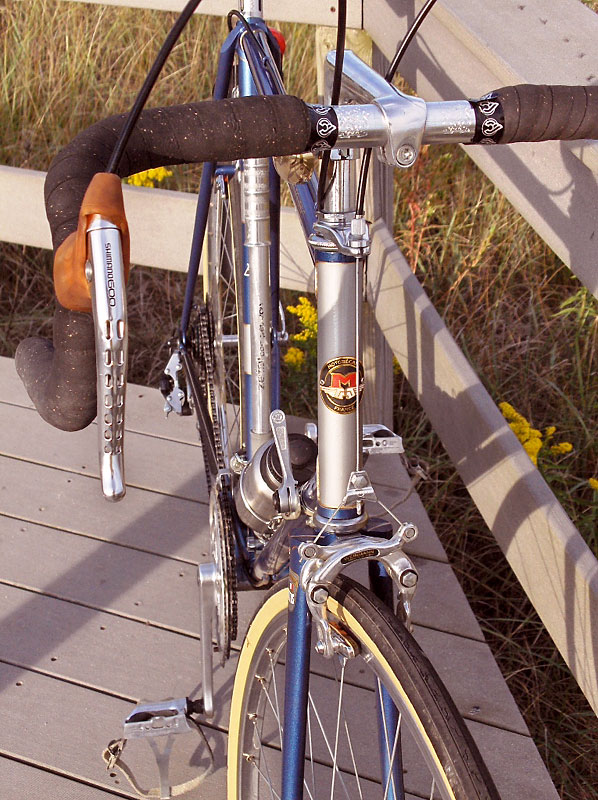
{"x": 257, "y": 311}
{"x": 256, "y": 202}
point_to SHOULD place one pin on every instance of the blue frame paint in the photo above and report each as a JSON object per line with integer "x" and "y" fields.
{"x": 296, "y": 679}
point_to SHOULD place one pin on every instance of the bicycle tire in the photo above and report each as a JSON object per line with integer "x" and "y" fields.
{"x": 223, "y": 273}
{"x": 453, "y": 767}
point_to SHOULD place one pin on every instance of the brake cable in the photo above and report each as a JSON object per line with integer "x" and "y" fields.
{"x": 148, "y": 84}
{"x": 390, "y": 73}
{"x": 341, "y": 29}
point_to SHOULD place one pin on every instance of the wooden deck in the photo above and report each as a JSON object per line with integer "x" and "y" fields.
{"x": 100, "y": 607}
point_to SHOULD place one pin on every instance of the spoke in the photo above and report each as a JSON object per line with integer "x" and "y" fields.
{"x": 350, "y": 743}
{"x": 262, "y": 682}
{"x": 433, "y": 787}
{"x": 311, "y": 750}
{"x": 338, "y": 725}
{"x": 327, "y": 743}
{"x": 278, "y": 716}
{"x": 390, "y": 754}
{"x": 266, "y": 778}
{"x": 392, "y": 759}
{"x": 357, "y": 780}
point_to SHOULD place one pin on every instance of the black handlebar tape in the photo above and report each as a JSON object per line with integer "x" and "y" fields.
{"x": 223, "y": 130}
{"x": 60, "y": 376}
{"x": 528, "y": 113}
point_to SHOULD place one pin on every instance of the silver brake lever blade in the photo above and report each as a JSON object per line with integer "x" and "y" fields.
{"x": 105, "y": 272}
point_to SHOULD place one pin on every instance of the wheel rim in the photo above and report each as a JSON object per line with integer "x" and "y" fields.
{"x": 340, "y": 759}
{"x": 222, "y": 293}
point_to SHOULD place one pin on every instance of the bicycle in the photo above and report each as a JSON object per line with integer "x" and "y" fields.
{"x": 287, "y": 512}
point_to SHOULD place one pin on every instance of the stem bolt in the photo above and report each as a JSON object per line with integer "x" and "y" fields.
{"x": 406, "y": 155}
{"x": 309, "y": 551}
{"x": 408, "y": 578}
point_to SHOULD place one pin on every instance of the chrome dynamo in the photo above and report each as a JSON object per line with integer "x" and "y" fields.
{"x": 221, "y": 508}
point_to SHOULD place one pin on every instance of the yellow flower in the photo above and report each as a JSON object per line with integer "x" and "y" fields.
{"x": 308, "y": 316}
{"x": 294, "y": 357}
{"x": 532, "y": 447}
{"x": 150, "y": 177}
{"x": 531, "y": 438}
{"x": 594, "y": 484}
{"x": 560, "y": 449}
{"x": 510, "y": 414}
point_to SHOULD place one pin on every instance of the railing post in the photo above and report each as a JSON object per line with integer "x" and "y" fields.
{"x": 377, "y": 355}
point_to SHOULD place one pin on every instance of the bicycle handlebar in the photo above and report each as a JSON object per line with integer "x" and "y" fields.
{"x": 60, "y": 376}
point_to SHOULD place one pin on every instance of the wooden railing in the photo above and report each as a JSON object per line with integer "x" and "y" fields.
{"x": 465, "y": 49}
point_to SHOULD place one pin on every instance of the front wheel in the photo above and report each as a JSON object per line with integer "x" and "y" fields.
{"x": 352, "y": 702}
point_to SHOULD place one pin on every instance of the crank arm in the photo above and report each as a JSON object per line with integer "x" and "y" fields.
{"x": 207, "y": 577}
{"x": 105, "y": 273}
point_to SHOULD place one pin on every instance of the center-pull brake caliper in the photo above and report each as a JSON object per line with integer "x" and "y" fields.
{"x": 323, "y": 563}
{"x": 105, "y": 273}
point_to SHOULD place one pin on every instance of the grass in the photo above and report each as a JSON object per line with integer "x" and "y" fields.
{"x": 523, "y": 321}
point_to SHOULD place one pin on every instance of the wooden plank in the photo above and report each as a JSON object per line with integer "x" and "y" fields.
{"x": 143, "y": 414}
{"x": 109, "y": 576}
{"x": 554, "y": 565}
{"x": 155, "y": 464}
{"x": 64, "y": 727}
{"x": 101, "y": 575}
{"x": 151, "y": 522}
{"x": 171, "y": 469}
{"x": 160, "y": 222}
{"x": 514, "y": 763}
{"x": 27, "y": 781}
{"x": 460, "y": 52}
{"x": 132, "y": 659}
{"x": 99, "y": 660}
{"x": 308, "y": 11}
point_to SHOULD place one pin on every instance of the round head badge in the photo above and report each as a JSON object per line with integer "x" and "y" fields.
{"x": 340, "y": 386}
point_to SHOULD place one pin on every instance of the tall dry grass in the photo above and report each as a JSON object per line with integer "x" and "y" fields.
{"x": 524, "y": 322}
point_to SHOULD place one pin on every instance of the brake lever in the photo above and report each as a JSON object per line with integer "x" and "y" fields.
{"x": 105, "y": 273}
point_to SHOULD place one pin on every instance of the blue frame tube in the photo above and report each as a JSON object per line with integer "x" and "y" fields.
{"x": 225, "y": 64}
{"x": 297, "y": 678}
{"x": 387, "y": 713}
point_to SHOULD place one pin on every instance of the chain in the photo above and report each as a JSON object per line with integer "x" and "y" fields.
{"x": 223, "y": 495}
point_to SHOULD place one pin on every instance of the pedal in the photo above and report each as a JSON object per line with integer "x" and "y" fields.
{"x": 157, "y": 719}
{"x": 105, "y": 273}
{"x": 377, "y": 438}
{"x": 150, "y": 721}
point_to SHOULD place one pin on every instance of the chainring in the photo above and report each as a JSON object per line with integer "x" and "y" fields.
{"x": 223, "y": 553}
{"x": 221, "y": 506}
